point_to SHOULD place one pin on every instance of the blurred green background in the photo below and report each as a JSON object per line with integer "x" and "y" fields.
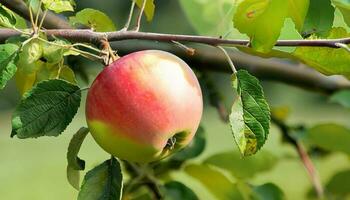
{"x": 34, "y": 169}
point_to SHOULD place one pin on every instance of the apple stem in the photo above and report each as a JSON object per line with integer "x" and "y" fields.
{"x": 171, "y": 143}
{"x": 110, "y": 56}
{"x": 147, "y": 179}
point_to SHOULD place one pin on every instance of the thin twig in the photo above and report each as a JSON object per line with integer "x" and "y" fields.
{"x": 139, "y": 17}
{"x": 38, "y": 13}
{"x": 307, "y": 162}
{"x": 42, "y": 19}
{"x": 84, "y": 88}
{"x": 127, "y": 24}
{"x": 344, "y": 46}
{"x": 190, "y": 51}
{"x": 228, "y": 59}
{"x": 210, "y": 58}
{"x": 70, "y": 47}
{"x": 31, "y": 17}
{"x": 84, "y": 35}
{"x": 52, "y": 21}
{"x": 148, "y": 180}
{"x": 309, "y": 166}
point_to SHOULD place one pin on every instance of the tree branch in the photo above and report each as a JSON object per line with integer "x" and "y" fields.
{"x": 51, "y": 20}
{"x": 210, "y": 58}
{"x": 205, "y": 57}
{"x": 84, "y": 35}
{"x": 306, "y": 160}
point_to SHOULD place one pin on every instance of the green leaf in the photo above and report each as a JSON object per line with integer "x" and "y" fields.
{"x": 250, "y": 114}
{"x": 344, "y": 7}
{"x": 268, "y": 191}
{"x": 175, "y": 190}
{"x": 319, "y": 18}
{"x": 34, "y": 5}
{"x": 339, "y": 184}
{"x": 73, "y": 149}
{"x": 211, "y": 17}
{"x": 7, "y": 18}
{"x": 149, "y": 8}
{"x": 46, "y": 110}
{"x": 21, "y": 23}
{"x": 58, "y": 6}
{"x": 328, "y": 61}
{"x": 252, "y": 17}
{"x": 243, "y": 167}
{"x": 73, "y": 177}
{"x": 94, "y": 19}
{"x": 74, "y": 162}
{"x": 194, "y": 149}
{"x": 297, "y": 11}
{"x": 104, "y": 182}
{"x": 8, "y": 57}
{"x": 215, "y": 181}
{"x": 331, "y": 137}
{"x": 271, "y": 54}
{"x": 342, "y": 97}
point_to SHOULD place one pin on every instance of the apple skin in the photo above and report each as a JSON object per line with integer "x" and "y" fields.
{"x": 141, "y": 101}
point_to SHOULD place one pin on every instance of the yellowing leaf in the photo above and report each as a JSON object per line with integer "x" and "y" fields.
{"x": 149, "y": 8}
{"x": 326, "y": 60}
{"x": 43, "y": 71}
{"x": 58, "y": 6}
{"x": 261, "y": 20}
{"x": 25, "y": 79}
{"x": 211, "y": 17}
{"x": 94, "y": 19}
{"x": 250, "y": 114}
{"x": 344, "y": 7}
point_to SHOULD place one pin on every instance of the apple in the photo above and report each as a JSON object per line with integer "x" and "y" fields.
{"x": 144, "y": 106}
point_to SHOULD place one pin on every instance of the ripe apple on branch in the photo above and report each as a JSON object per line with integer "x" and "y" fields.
{"x": 144, "y": 106}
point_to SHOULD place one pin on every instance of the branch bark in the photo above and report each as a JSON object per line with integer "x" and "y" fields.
{"x": 206, "y": 57}
{"x": 210, "y": 58}
{"x": 51, "y": 20}
{"x": 84, "y": 35}
{"x": 304, "y": 157}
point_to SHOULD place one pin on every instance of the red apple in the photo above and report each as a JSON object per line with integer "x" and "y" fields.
{"x": 144, "y": 106}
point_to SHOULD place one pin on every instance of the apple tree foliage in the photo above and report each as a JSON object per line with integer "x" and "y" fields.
{"x": 51, "y": 95}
